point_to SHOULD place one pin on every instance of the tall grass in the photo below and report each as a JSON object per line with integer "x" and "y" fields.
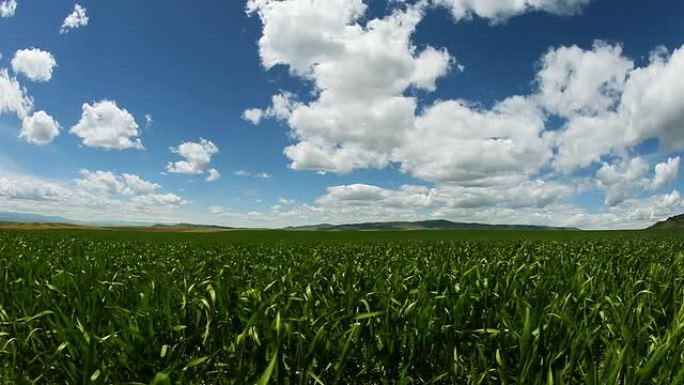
{"x": 87, "y": 311}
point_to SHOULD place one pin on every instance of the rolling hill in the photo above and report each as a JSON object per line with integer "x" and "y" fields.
{"x": 437, "y": 224}
{"x": 672, "y": 223}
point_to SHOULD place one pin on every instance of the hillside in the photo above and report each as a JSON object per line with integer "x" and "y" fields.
{"x": 41, "y": 226}
{"x": 176, "y": 228}
{"x": 672, "y": 223}
{"x": 33, "y": 218}
{"x": 438, "y": 224}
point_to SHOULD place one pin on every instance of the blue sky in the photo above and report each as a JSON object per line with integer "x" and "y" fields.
{"x": 523, "y": 112}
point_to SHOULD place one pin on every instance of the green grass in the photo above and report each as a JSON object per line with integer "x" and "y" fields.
{"x": 96, "y": 307}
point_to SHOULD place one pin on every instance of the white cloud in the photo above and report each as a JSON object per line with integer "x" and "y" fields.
{"x": 13, "y": 97}
{"x": 619, "y": 180}
{"x": 32, "y": 190}
{"x": 431, "y": 202}
{"x": 105, "y": 125}
{"x": 574, "y": 81}
{"x": 148, "y": 120}
{"x": 39, "y": 128}
{"x": 363, "y": 113}
{"x": 362, "y": 117}
{"x": 101, "y": 181}
{"x": 127, "y": 189}
{"x": 626, "y": 178}
{"x": 136, "y": 186}
{"x": 95, "y": 196}
{"x": 213, "y": 176}
{"x": 253, "y": 115}
{"x": 34, "y": 63}
{"x": 76, "y": 19}
{"x": 286, "y": 201}
{"x": 500, "y": 10}
{"x": 159, "y": 200}
{"x": 665, "y": 173}
{"x": 281, "y": 108}
{"x": 197, "y": 157}
{"x": 299, "y": 33}
{"x": 650, "y": 106}
{"x": 454, "y": 142}
{"x": 258, "y": 175}
{"x": 8, "y": 8}
{"x": 360, "y": 74}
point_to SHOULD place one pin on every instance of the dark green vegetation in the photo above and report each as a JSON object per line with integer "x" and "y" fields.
{"x": 82, "y": 307}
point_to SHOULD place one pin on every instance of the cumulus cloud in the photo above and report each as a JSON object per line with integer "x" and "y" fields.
{"x": 135, "y": 185}
{"x": 32, "y": 190}
{"x": 281, "y": 108}
{"x": 34, "y": 63}
{"x": 360, "y": 73}
{"x": 102, "y": 181}
{"x": 361, "y": 115}
{"x": 39, "y": 128}
{"x": 159, "y": 200}
{"x": 455, "y": 142}
{"x": 213, "y": 175}
{"x": 76, "y": 19}
{"x": 574, "y": 81}
{"x": 129, "y": 188}
{"x": 253, "y": 115}
{"x": 104, "y": 125}
{"x": 197, "y": 157}
{"x": 8, "y": 8}
{"x": 650, "y": 105}
{"x": 286, "y": 201}
{"x": 13, "y": 97}
{"x": 94, "y": 196}
{"x": 412, "y": 198}
{"x": 501, "y": 10}
{"x": 665, "y": 173}
{"x": 619, "y": 180}
{"x": 627, "y": 177}
{"x": 258, "y": 175}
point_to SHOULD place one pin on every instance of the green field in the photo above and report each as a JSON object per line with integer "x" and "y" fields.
{"x": 285, "y": 307}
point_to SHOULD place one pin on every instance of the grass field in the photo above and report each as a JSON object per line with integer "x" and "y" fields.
{"x": 284, "y": 307}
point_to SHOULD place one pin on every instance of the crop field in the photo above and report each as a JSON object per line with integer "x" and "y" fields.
{"x": 124, "y": 308}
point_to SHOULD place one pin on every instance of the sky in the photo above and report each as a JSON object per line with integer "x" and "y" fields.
{"x": 274, "y": 113}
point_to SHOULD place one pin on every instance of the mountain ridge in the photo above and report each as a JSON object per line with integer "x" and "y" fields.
{"x": 433, "y": 224}
{"x": 671, "y": 223}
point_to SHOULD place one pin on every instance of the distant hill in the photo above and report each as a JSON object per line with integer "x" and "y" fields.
{"x": 32, "y": 218}
{"x": 26, "y": 221}
{"x": 180, "y": 227}
{"x": 437, "y": 224}
{"x": 672, "y": 223}
{"x": 9, "y": 220}
{"x": 42, "y": 226}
